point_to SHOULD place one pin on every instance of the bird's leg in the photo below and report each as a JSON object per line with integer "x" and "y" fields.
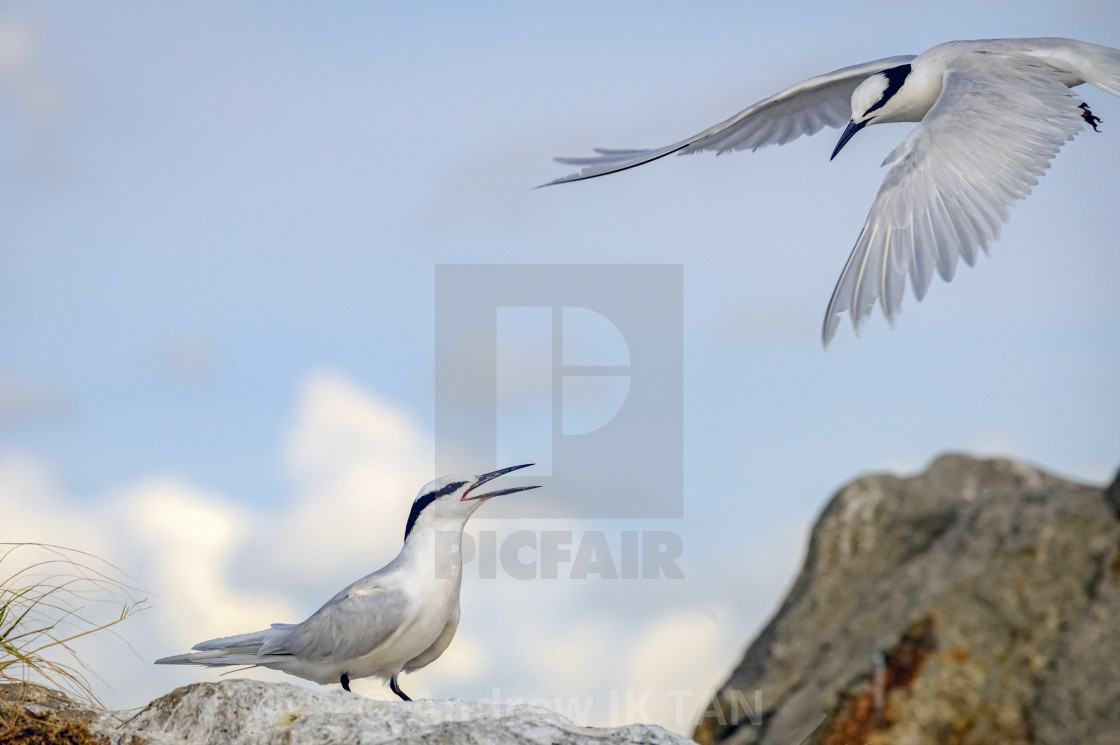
{"x": 397, "y": 689}
{"x": 345, "y": 681}
{"x": 1089, "y": 117}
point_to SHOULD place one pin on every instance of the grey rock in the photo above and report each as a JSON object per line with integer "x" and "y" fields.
{"x": 30, "y": 713}
{"x": 976, "y": 602}
{"x": 1112, "y": 495}
{"x": 247, "y": 712}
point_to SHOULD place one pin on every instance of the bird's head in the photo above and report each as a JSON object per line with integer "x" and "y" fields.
{"x": 872, "y": 101}
{"x": 455, "y": 498}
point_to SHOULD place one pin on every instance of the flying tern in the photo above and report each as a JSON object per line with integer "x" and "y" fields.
{"x": 398, "y": 619}
{"x": 993, "y": 115}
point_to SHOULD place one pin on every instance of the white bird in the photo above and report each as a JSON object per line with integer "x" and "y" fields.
{"x": 398, "y": 619}
{"x": 993, "y": 114}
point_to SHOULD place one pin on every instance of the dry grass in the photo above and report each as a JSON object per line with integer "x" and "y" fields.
{"x": 50, "y": 597}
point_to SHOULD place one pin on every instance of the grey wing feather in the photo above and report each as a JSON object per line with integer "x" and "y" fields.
{"x": 242, "y": 649}
{"x": 222, "y": 659}
{"x": 803, "y": 109}
{"x": 240, "y": 643}
{"x": 353, "y": 623}
{"x": 982, "y": 146}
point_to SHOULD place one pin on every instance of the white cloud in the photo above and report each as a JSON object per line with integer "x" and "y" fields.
{"x": 356, "y": 462}
{"x": 35, "y": 509}
{"x": 563, "y": 654}
{"x": 187, "y": 539}
{"x": 339, "y": 426}
{"x": 675, "y": 664}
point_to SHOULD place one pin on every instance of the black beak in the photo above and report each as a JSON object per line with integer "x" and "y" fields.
{"x": 849, "y": 133}
{"x": 490, "y": 477}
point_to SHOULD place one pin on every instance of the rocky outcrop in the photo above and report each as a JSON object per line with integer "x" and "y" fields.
{"x": 978, "y": 602}
{"x": 33, "y": 715}
{"x": 248, "y": 712}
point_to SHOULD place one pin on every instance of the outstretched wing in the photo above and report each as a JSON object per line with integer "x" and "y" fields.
{"x": 356, "y": 621}
{"x": 803, "y": 109}
{"x": 982, "y": 146}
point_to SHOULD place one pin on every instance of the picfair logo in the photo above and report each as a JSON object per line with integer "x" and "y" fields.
{"x": 576, "y": 368}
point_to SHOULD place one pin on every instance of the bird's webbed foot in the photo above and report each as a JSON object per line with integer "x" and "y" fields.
{"x": 1088, "y": 116}
{"x": 345, "y": 681}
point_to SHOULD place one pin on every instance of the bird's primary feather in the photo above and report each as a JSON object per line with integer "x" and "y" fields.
{"x": 802, "y": 109}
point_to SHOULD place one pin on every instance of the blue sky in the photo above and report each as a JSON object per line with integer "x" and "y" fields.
{"x": 219, "y": 227}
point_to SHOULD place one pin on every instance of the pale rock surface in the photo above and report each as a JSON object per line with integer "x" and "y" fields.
{"x": 247, "y": 712}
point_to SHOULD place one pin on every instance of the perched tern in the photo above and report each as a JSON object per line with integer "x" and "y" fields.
{"x": 398, "y": 619}
{"x": 993, "y": 114}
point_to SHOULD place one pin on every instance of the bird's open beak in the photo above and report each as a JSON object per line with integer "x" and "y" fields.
{"x": 849, "y": 133}
{"x": 490, "y": 477}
